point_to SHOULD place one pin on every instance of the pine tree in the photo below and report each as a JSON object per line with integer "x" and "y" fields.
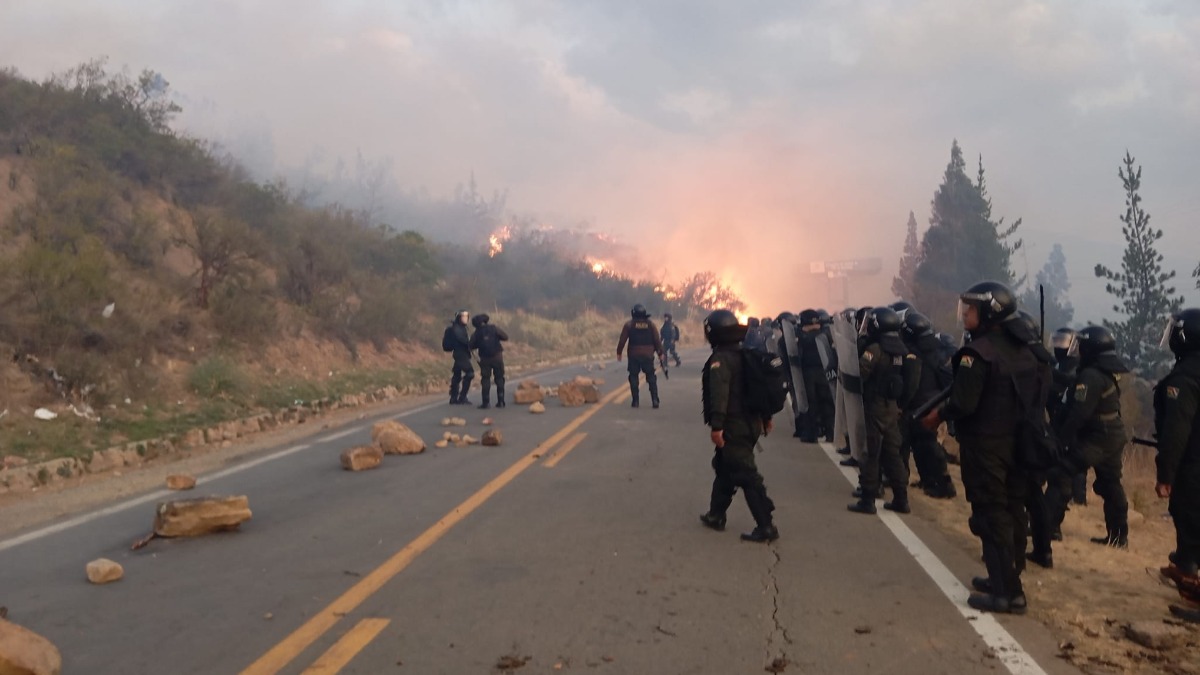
{"x": 1141, "y": 285}
{"x": 962, "y": 245}
{"x": 905, "y": 280}
{"x": 1054, "y": 281}
{"x": 1005, "y": 234}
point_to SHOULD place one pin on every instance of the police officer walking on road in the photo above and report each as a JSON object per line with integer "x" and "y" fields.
{"x": 1177, "y": 421}
{"x": 644, "y": 345}
{"x": 733, "y": 430}
{"x": 456, "y": 340}
{"x": 986, "y": 406}
{"x": 670, "y": 336}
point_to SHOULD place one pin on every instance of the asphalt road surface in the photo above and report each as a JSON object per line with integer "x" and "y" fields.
{"x": 574, "y": 547}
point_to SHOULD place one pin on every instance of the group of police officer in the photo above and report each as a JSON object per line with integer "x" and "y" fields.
{"x": 1029, "y": 423}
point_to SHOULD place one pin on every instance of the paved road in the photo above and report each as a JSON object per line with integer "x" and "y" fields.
{"x": 573, "y": 547}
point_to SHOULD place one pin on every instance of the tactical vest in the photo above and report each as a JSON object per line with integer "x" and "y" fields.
{"x": 1187, "y": 367}
{"x": 999, "y": 408}
{"x": 641, "y": 334}
{"x": 728, "y": 359}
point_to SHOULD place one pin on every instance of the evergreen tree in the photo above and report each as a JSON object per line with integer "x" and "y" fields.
{"x": 1141, "y": 285}
{"x": 1054, "y": 282}
{"x": 905, "y": 280}
{"x": 1005, "y": 234}
{"x": 962, "y": 245}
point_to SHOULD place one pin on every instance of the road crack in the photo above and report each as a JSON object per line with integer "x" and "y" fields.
{"x": 779, "y": 638}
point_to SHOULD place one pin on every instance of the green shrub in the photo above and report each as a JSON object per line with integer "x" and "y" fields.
{"x": 216, "y": 377}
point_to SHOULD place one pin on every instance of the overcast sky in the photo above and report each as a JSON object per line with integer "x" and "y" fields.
{"x": 745, "y": 137}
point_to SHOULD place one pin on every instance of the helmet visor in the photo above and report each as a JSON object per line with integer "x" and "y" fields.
{"x": 1068, "y": 342}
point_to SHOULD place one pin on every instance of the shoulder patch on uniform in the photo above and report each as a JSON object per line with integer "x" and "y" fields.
{"x": 966, "y": 361}
{"x": 1081, "y": 392}
{"x": 868, "y": 356}
{"x": 911, "y": 356}
{"x": 1172, "y": 392}
{"x": 715, "y": 364}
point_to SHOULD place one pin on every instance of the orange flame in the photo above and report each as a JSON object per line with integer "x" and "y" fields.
{"x": 496, "y": 241}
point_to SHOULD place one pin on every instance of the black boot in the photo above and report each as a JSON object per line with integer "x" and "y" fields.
{"x": 761, "y": 534}
{"x": 1117, "y": 537}
{"x": 654, "y": 402}
{"x": 486, "y": 403}
{"x": 653, "y": 385}
{"x": 865, "y": 504}
{"x": 843, "y": 451}
{"x": 1041, "y": 559}
{"x": 634, "y": 402}
{"x": 500, "y": 397}
{"x": 713, "y": 521}
{"x": 462, "y": 395}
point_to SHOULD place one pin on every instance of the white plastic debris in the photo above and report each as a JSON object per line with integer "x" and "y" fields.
{"x": 44, "y": 414}
{"x": 108, "y": 310}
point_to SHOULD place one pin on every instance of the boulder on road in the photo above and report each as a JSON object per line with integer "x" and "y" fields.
{"x": 180, "y": 482}
{"x": 104, "y": 571}
{"x": 570, "y": 394}
{"x": 23, "y": 652}
{"x": 394, "y": 438}
{"x": 537, "y": 408}
{"x": 527, "y": 396}
{"x": 362, "y": 458}
{"x": 492, "y": 437}
{"x": 203, "y": 515}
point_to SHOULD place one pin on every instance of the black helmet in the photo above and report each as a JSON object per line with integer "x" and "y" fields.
{"x": 1065, "y": 343}
{"x": 480, "y": 320}
{"x": 639, "y": 311}
{"x": 785, "y": 316}
{"x": 1094, "y": 341}
{"x": 809, "y": 317}
{"x": 882, "y": 320}
{"x": 859, "y": 315}
{"x": 752, "y": 322}
{"x": 721, "y": 327}
{"x": 916, "y": 325}
{"x": 823, "y": 315}
{"x": 1024, "y": 327}
{"x": 667, "y": 316}
{"x": 994, "y": 300}
{"x": 1182, "y": 334}
{"x": 902, "y": 307}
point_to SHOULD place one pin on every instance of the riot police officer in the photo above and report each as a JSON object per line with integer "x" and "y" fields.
{"x": 456, "y": 340}
{"x": 1092, "y": 434}
{"x": 890, "y": 375}
{"x": 986, "y": 407}
{"x": 927, "y": 451}
{"x": 815, "y": 355}
{"x": 1177, "y": 421}
{"x": 754, "y": 337}
{"x": 486, "y": 341}
{"x": 644, "y": 345}
{"x": 733, "y": 430}
{"x": 670, "y": 336}
{"x": 1066, "y": 365}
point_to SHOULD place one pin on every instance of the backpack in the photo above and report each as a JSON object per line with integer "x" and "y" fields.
{"x": 488, "y": 343}
{"x": 1036, "y": 444}
{"x": 448, "y": 339}
{"x": 764, "y": 383}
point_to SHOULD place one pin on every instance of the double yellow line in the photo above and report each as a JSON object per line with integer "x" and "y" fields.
{"x": 349, "y": 645}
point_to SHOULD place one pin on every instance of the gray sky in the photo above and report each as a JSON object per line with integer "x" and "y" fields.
{"x": 687, "y": 126}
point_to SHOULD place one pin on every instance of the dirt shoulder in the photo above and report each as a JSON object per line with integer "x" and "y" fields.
{"x": 1094, "y": 592}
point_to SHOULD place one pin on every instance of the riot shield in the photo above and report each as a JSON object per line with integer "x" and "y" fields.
{"x": 792, "y": 358}
{"x": 823, "y": 349}
{"x": 849, "y": 399}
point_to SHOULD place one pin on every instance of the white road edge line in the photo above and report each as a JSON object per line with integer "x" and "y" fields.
{"x": 159, "y": 494}
{"x": 340, "y": 434}
{"x": 1008, "y": 651}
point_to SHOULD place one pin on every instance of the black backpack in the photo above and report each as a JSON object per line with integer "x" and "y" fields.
{"x": 765, "y": 385}
{"x": 1037, "y": 446}
{"x": 488, "y": 343}
{"x": 448, "y": 339}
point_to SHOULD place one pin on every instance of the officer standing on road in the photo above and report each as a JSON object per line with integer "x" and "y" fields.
{"x": 1177, "y": 421}
{"x": 486, "y": 343}
{"x": 890, "y": 375}
{"x": 928, "y": 453}
{"x": 670, "y": 336}
{"x": 644, "y": 345}
{"x": 1093, "y": 435}
{"x": 734, "y": 432}
{"x": 458, "y": 342}
{"x": 986, "y": 408}
{"x": 818, "y": 421}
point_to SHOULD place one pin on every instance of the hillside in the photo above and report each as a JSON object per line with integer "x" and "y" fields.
{"x": 147, "y": 281}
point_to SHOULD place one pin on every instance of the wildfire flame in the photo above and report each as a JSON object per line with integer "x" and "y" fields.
{"x": 496, "y": 241}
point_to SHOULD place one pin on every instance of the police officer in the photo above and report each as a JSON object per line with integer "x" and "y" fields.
{"x": 767, "y": 330}
{"x": 890, "y": 375}
{"x": 1093, "y": 435}
{"x": 456, "y": 340}
{"x": 486, "y": 342}
{"x": 928, "y": 453}
{"x": 670, "y": 336}
{"x": 1066, "y": 365}
{"x": 1177, "y": 421}
{"x": 1025, "y": 328}
{"x": 814, "y": 353}
{"x": 644, "y": 345}
{"x": 733, "y": 431}
{"x": 986, "y": 408}
{"x": 754, "y": 337}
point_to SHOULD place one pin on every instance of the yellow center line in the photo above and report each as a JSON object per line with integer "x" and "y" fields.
{"x": 564, "y": 449}
{"x": 344, "y": 650}
{"x": 283, "y": 653}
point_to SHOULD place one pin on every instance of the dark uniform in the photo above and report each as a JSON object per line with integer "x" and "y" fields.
{"x": 644, "y": 345}
{"x": 733, "y": 464}
{"x": 985, "y": 406}
{"x": 670, "y": 336}
{"x": 1094, "y": 436}
{"x": 486, "y": 341}
{"x": 890, "y": 375}
{"x": 928, "y": 453}
{"x": 755, "y": 341}
{"x": 1177, "y": 421}
{"x": 1066, "y": 368}
{"x": 458, "y": 342}
{"x": 815, "y": 360}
